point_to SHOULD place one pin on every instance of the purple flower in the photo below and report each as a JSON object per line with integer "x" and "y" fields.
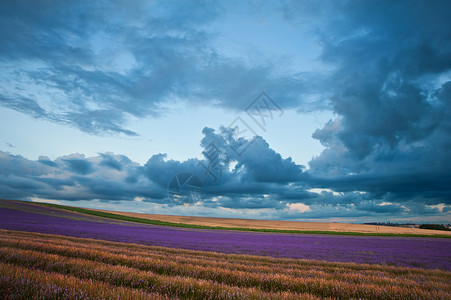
{"x": 398, "y": 251}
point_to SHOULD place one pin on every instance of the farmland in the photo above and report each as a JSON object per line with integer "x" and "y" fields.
{"x": 257, "y": 225}
{"x": 282, "y": 225}
{"x": 52, "y": 253}
{"x": 73, "y": 267}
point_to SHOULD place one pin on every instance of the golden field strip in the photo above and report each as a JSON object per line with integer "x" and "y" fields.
{"x": 280, "y": 225}
{"x": 52, "y": 266}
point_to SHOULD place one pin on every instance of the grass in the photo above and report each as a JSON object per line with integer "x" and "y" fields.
{"x": 193, "y": 226}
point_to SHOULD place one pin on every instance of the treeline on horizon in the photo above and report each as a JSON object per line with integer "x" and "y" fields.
{"x": 434, "y": 227}
{"x": 421, "y": 226}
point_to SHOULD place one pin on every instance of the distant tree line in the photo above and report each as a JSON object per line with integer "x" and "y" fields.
{"x": 390, "y": 224}
{"x": 422, "y": 226}
{"x": 434, "y": 226}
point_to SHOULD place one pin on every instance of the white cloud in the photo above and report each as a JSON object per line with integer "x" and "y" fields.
{"x": 300, "y": 207}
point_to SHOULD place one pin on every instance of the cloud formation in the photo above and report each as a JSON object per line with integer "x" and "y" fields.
{"x": 391, "y": 95}
{"x": 388, "y": 80}
{"x": 258, "y": 180}
{"x": 91, "y": 65}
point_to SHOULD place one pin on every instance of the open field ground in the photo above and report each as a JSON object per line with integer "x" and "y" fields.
{"x": 54, "y": 253}
{"x": 249, "y": 224}
{"x": 281, "y": 225}
{"x": 51, "y": 266}
{"x": 398, "y": 251}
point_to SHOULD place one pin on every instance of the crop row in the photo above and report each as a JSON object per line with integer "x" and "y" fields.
{"x": 208, "y": 257}
{"x": 17, "y": 282}
{"x": 282, "y": 278}
{"x": 196, "y": 274}
{"x": 184, "y": 286}
{"x": 171, "y": 286}
{"x": 145, "y": 281}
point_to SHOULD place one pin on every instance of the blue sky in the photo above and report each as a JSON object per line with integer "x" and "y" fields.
{"x": 105, "y": 103}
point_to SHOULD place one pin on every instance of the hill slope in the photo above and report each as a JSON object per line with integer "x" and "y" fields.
{"x": 280, "y": 225}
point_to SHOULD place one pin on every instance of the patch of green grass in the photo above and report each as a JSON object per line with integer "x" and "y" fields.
{"x": 183, "y": 225}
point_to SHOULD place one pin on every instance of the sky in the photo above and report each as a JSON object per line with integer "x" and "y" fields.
{"x": 334, "y": 111}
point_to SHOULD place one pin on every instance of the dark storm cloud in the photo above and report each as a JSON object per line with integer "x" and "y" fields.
{"x": 244, "y": 183}
{"x": 388, "y": 151}
{"x": 94, "y": 63}
{"x": 16, "y": 165}
{"x": 79, "y": 166}
{"x": 391, "y": 93}
{"x": 74, "y": 177}
{"x": 46, "y": 161}
{"x": 114, "y": 161}
{"x": 249, "y": 183}
{"x": 258, "y": 161}
{"x": 161, "y": 171}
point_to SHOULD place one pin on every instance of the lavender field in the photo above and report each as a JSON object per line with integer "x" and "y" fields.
{"x": 49, "y": 253}
{"x": 430, "y": 253}
{"x": 43, "y": 266}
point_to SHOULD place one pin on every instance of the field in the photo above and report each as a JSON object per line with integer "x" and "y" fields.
{"x": 48, "y": 253}
{"x": 282, "y": 225}
{"x": 56, "y": 266}
{"x": 256, "y": 225}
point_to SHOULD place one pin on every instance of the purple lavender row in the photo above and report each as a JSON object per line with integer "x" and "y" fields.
{"x": 400, "y": 251}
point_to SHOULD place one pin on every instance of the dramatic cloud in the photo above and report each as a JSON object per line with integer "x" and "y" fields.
{"x": 391, "y": 94}
{"x": 384, "y": 70}
{"x": 258, "y": 180}
{"x": 91, "y": 65}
